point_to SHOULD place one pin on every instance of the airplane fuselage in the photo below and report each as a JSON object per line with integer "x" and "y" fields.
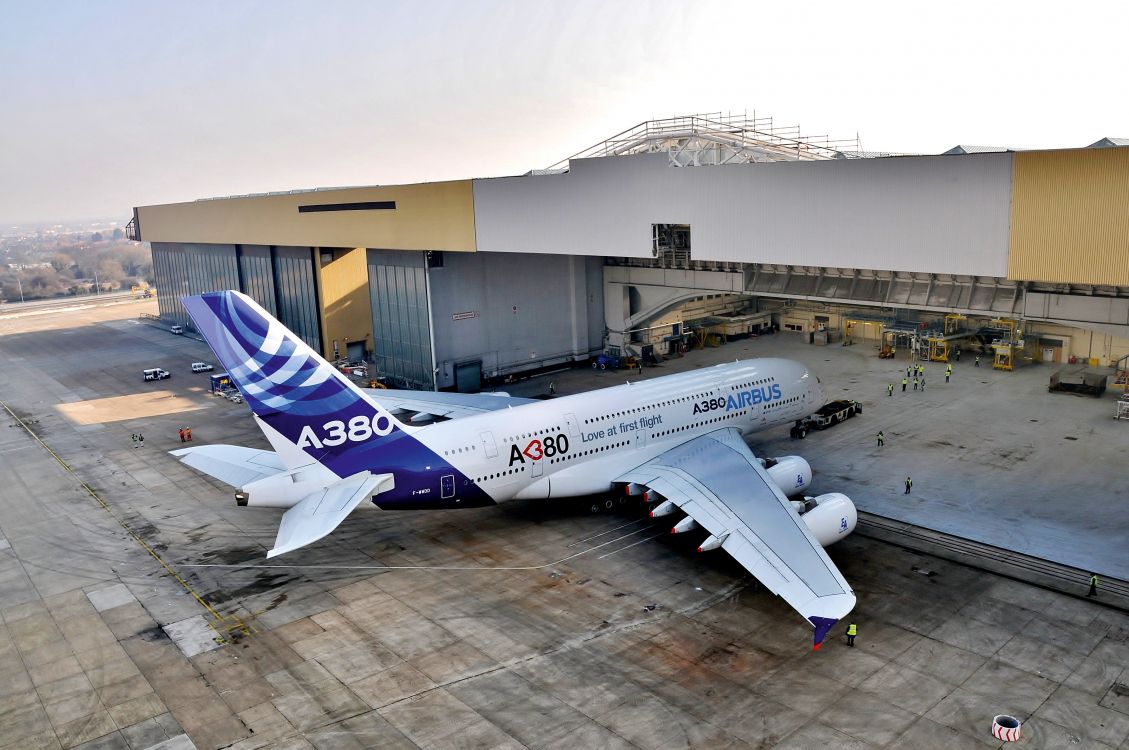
{"x": 676, "y": 439}
{"x": 577, "y": 445}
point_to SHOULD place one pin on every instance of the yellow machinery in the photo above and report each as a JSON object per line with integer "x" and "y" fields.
{"x": 952, "y": 322}
{"x": 143, "y": 290}
{"x": 938, "y": 349}
{"x": 939, "y": 346}
{"x": 889, "y": 345}
{"x": 1005, "y": 351}
{"x": 1012, "y": 326}
{"x": 1004, "y": 355}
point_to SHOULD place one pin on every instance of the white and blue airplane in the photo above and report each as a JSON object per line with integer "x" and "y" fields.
{"x": 675, "y": 440}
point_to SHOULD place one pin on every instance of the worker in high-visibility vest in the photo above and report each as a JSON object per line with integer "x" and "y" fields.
{"x": 1093, "y": 585}
{"x": 904, "y": 381}
{"x": 852, "y": 631}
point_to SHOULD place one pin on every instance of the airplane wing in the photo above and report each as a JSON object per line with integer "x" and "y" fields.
{"x": 446, "y": 405}
{"x": 716, "y": 480}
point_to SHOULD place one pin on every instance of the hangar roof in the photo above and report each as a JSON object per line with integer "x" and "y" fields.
{"x": 962, "y": 148}
{"x": 1108, "y": 142}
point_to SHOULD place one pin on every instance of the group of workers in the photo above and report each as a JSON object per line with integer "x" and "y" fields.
{"x": 917, "y": 372}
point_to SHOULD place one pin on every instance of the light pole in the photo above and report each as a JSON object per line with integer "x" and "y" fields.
{"x": 21, "y": 288}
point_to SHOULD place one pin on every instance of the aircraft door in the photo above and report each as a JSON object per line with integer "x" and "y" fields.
{"x": 538, "y": 467}
{"x": 573, "y": 425}
{"x": 488, "y": 444}
{"x": 447, "y": 486}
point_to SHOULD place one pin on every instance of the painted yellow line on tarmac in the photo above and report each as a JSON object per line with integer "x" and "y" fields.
{"x": 230, "y": 623}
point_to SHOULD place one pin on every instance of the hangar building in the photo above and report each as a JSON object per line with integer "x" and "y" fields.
{"x": 669, "y": 229}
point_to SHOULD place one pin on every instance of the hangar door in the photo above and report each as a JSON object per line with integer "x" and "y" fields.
{"x": 401, "y": 328}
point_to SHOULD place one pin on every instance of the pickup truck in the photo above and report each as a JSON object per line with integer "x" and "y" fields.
{"x": 828, "y": 415}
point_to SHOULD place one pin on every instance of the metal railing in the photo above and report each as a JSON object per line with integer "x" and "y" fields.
{"x": 758, "y": 138}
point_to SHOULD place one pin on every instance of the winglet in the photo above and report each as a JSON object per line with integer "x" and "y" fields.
{"x": 823, "y": 626}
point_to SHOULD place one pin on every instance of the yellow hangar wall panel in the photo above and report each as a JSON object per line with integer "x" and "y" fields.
{"x": 343, "y": 285}
{"x": 940, "y": 214}
{"x": 427, "y": 216}
{"x": 1070, "y": 217}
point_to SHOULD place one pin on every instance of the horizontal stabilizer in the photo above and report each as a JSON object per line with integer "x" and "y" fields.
{"x": 233, "y": 465}
{"x": 319, "y": 513}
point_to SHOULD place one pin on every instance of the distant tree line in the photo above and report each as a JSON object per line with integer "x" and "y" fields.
{"x": 69, "y": 265}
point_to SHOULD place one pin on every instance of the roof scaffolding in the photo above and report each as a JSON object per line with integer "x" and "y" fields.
{"x": 715, "y": 139}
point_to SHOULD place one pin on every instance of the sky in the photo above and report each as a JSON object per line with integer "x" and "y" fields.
{"x": 109, "y": 105}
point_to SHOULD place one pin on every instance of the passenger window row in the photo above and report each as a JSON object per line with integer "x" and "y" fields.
{"x": 589, "y": 452}
{"x": 751, "y": 383}
{"x": 700, "y": 424}
{"x": 527, "y": 435}
{"x": 670, "y": 402}
{"x": 782, "y": 403}
{"x": 500, "y": 474}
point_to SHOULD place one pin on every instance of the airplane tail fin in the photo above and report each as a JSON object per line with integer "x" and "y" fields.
{"x": 308, "y": 410}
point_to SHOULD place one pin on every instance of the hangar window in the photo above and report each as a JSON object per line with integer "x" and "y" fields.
{"x": 358, "y": 206}
{"x": 671, "y": 243}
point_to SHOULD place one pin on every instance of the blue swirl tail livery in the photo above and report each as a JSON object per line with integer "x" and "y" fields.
{"x": 676, "y": 441}
{"x": 332, "y": 442}
{"x": 289, "y": 387}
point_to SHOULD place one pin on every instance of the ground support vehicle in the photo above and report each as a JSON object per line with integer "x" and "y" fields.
{"x": 828, "y": 415}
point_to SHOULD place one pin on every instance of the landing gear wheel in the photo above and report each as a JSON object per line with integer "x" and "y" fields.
{"x": 594, "y": 508}
{"x": 609, "y": 504}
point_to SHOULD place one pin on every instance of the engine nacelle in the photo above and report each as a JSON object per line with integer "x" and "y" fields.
{"x": 791, "y": 474}
{"x": 833, "y": 518}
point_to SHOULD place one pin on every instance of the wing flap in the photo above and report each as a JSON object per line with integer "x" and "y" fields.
{"x": 716, "y": 480}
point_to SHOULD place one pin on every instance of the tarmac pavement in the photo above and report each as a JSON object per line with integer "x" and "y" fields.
{"x": 534, "y": 624}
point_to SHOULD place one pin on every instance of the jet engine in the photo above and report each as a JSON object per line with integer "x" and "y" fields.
{"x": 829, "y": 517}
{"x": 791, "y": 474}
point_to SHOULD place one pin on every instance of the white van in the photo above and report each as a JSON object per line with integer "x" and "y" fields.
{"x": 155, "y": 373}
{"x": 177, "y": 329}
{"x": 201, "y": 367}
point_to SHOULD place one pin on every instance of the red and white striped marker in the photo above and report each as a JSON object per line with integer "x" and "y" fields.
{"x": 1005, "y": 728}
